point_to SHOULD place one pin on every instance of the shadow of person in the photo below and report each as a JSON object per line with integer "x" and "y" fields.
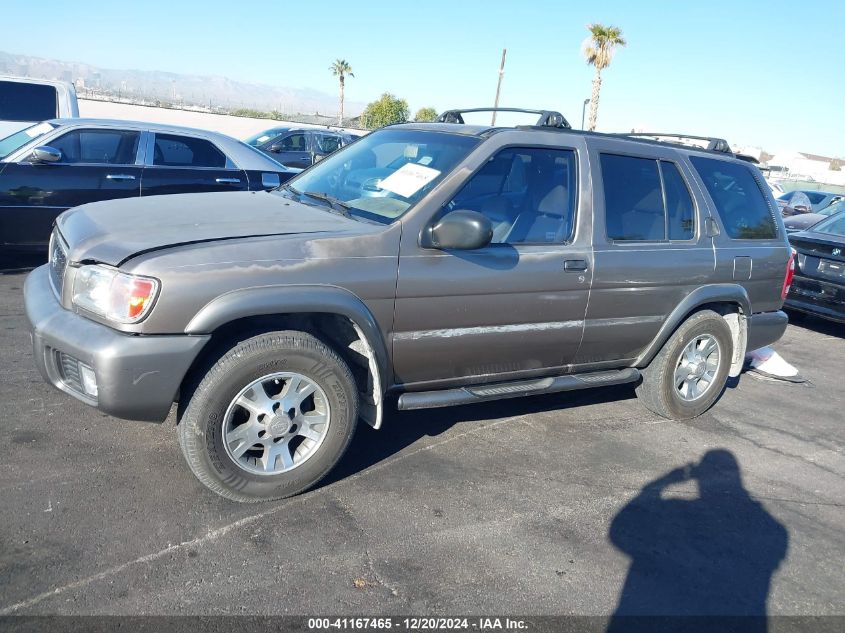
{"x": 713, "y": 555}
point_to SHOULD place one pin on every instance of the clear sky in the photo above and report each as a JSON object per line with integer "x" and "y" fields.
{"x": 760, "y": 73}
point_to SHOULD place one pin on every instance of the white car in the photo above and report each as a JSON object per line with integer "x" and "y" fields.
{"x": 25, "y": 101}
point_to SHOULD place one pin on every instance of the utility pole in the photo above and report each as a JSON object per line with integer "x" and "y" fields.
{"x": 499, "y": 85}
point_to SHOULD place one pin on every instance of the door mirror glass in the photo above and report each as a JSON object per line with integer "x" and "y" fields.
{"x": 460, "y": 230}
{"x": 46, "y": 154}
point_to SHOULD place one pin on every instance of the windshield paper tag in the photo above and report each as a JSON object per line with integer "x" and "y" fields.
{"x": 409, "y": 179}
{"x": 38, "y": 130}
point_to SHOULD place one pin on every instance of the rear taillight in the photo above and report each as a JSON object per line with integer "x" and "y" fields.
{"x": 790, "y": 273}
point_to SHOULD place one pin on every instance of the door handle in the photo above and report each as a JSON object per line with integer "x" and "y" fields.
{"x": 575, "y": 265}
{"x": 120, "y": 177}
{"x": 229, "y": 181}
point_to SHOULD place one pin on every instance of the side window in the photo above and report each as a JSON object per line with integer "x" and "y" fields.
{"x": 633, "y": 199}
{"x": 184, "y": 151}
{"x": 110, "y": 147}
{"x": 528, "y": 194}
{"x": 680, "y": 211}
{"x": 294, "y": 143}
{"x": 327, "y": 143}
{"x": 739, "y": 200}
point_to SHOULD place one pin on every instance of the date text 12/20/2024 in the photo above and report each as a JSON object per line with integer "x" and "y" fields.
{"x": 418, "y": 624}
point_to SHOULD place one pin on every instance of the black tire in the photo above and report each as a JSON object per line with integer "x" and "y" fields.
{"x": 201, "y": 423}
{"x": 658, "y": 392}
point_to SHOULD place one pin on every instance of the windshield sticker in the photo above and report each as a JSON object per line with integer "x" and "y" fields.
{"x": 38, "y": 130}
{"x": 409, "y": 179}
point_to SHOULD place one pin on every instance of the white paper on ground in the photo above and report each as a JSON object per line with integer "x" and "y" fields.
{"x": 770, "y": 362}
{"x": 409, "y": 179}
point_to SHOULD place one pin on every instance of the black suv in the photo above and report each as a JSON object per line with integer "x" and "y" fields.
{"x": 299, "y": 147}
{"x": 426, "y": 265}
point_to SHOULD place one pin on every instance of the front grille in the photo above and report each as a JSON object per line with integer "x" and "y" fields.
{"x": 58, "y": 262}
{"x": 69, "y": 369}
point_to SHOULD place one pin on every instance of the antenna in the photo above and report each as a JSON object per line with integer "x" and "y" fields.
{"x": 499, "y": 84}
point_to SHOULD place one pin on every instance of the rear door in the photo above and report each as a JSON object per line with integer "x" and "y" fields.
{"x": 650, "y": 247}
{"x": 325, "y": 143}
{"x": 178, "y": 163}
{"x": 96, "y": 164}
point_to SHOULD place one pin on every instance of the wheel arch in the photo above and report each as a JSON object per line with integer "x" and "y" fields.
{"x": 729, "y": 300}
{"x": 334, "y": 314}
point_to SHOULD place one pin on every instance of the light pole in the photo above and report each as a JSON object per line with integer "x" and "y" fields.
{"x": 583, "y": 110}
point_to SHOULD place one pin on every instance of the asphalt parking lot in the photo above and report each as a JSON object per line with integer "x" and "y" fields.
{"x": 565, "y": 504}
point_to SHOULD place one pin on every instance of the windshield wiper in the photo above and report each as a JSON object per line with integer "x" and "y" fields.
{"x": 338, "y": 205}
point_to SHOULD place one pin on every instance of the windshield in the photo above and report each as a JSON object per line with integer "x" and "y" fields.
{"x": 17, "y": 140}
{"x": 836, "y": 207}
{"x": 383, "y": 174}
{"x": 266, "y": 135}
{"x": 834, "y": 225}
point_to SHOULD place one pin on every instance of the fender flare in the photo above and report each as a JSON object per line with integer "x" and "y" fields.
{"x": 716, "y": 293}
{"x": 282, "y": 299}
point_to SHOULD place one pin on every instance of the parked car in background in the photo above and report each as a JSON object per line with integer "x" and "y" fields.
{"x": 818, "y": 200}
{"x": 803, "y": 221}
{"x": 25, "y": 101}
{"x": 818, "y": 286}
{"x": 776, "y": 187}
{"x": 497, "y": 263}
{"x": 57, "y": 164}
{"x": 299, "y": 147}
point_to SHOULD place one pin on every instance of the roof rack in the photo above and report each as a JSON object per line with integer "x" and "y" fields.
{"x": 714, "y": 144}
{"x": 548, "y": 118}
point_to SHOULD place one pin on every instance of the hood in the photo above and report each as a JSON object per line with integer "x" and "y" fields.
{"x": 111, "y": 232}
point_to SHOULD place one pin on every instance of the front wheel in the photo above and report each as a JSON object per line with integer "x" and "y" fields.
{"x": 689, "y": 374}
{"x": 270, "y": 419}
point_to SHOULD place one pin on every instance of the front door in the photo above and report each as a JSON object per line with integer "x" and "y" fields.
{"x": 185, "y": 164}
{"x": 293, "y": 149}
{"x": 513, "y": 308}
{"x": 95, "y": 165}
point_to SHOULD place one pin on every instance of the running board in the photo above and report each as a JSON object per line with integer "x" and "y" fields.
{"x": 500, "y": 390}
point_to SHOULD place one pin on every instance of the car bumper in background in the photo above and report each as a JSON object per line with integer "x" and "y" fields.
{"x": 817, "y": 297}
{"x": 137, "y": 377}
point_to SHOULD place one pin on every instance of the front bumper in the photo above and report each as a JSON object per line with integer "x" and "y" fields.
{"x": 764, "y": 328}
{"x": 138, "y": 376}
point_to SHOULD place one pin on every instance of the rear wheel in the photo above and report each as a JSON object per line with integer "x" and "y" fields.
{"x": 271, "y": 417}
{"x": 690, "y": 372}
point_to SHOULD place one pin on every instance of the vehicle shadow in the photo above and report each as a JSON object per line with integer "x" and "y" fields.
{"x": 711, "y": 555}
{"x": 816, "y": 324}
{"x": 401, "y": 429}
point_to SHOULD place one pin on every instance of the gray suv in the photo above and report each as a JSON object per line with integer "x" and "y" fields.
{"x": 425, "y": 265}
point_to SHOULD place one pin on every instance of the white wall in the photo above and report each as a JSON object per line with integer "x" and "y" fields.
{"x": 239, "y": 127}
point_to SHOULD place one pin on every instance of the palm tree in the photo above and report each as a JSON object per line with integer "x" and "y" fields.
{"x": 599, "y": 49}
{"x": 341, "y": 69}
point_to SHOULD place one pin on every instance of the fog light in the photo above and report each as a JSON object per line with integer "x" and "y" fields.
{"x": 89, "y": 380}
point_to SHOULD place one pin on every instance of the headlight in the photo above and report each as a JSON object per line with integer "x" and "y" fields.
{"x": 114, "y": 295}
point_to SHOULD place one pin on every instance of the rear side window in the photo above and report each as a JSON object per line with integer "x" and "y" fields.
{"x": 184, "y": 151}
{"x": 642, "y": 206}
{"x": 101, "y": 147}
{"x": 738, "y": 198}
{"x": 27, "y": 102}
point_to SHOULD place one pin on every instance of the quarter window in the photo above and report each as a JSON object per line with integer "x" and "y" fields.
{"x": 110, "y": 147}
{"x": 645, "y": 200}
{"x": 738, "y": 198}
{"x": 527, "y": 194}
{"x": 184, "y": 151}
{"x": 327, "y": 143}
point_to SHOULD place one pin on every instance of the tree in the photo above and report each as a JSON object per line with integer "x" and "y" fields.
{"x": 426, "y": 114}
{"x": 386, "y": 110}
{"x": 341, "y": 69}
{"x": 599, "y": 49}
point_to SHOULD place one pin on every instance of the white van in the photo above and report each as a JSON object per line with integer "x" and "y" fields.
{"x": 24, "y": 101}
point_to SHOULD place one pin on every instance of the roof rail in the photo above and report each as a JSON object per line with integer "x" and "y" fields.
{"x": 714, "y": 144}
{"x": 548, "y": 118}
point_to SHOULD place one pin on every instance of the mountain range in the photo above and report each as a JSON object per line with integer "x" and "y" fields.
{"x": 154, "y": 85}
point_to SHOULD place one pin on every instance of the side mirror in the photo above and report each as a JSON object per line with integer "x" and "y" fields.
{"x": 800, "y": 208}
{"x": 460, "y": 230}
{"x": 46, "y": 154}
{"x": 275, "y": 148}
